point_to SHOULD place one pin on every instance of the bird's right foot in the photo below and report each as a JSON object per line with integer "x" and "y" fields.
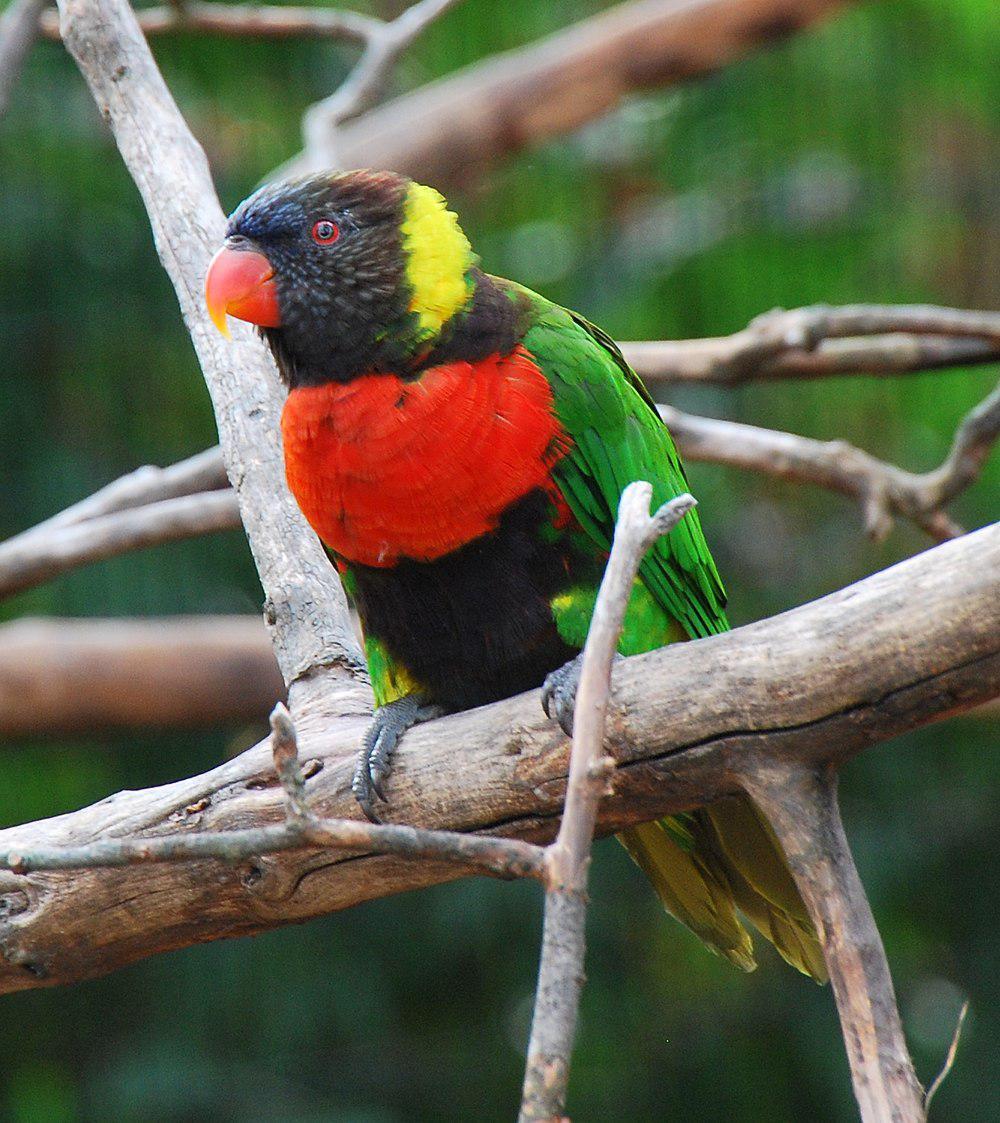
{"x": 379, "y": 743}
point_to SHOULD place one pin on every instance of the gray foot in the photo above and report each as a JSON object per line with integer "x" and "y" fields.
{"x": 379, "y": 743}
{"x": 559, "y": 693}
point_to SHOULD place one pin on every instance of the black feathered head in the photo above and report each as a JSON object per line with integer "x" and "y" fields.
{"x": 344, "y": 273}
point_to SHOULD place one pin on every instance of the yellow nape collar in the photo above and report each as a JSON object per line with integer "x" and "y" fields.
{"x": 438, "y": 256}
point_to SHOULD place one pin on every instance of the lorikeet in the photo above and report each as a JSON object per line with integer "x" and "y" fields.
{"x": 460, "y": 444}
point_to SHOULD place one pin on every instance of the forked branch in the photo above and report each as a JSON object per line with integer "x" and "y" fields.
{"x": 821, "y": 340}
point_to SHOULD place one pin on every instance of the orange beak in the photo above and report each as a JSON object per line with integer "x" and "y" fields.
{"x": 240, "y": 283}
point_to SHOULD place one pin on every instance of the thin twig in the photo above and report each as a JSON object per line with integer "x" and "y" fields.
{"x": 499, "y": 857}
{"x": 821, "y": 340}
{"x": 567, "y": 859}
{"x": 36, "y": 556}
{"x": 18, "y": 31}
{"x": 246, "y": 21}
{"x": 949, "y": 1061}
{"x": 883, "y": 489}
{"x": 801, "y": 804}
{"x": 365, "y": 83}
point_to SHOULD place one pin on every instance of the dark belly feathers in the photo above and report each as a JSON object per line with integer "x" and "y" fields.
{"x": 475, "y": 625}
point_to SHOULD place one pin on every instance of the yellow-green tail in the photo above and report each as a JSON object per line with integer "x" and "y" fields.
{"x": 711, "y": 865}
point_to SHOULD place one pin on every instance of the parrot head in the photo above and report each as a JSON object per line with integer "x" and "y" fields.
{"x": 342, "y": 272}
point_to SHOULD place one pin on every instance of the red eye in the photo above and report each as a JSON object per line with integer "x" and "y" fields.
{"x": 325, "y": 232}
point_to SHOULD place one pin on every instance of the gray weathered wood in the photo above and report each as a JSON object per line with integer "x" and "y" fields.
{"x": 800, "y": 801}
{"x": 909, "y": 645}
{"x": 452, "y": 129}
{"x": 305, "y": 606}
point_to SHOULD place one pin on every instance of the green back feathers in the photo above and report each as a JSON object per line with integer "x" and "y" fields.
{"x": 717, "y": 862}
{"x": 618, "y": 437}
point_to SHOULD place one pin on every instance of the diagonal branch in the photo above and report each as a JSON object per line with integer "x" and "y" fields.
{"x": 366, "y": 81}
{"x": 883, "y": 489}
{"x": 453, "y": 129}
{"x": 800, "y": 801}
{"x": 202, "y": 472}
{"x": 38, "y": 556}
{"x": 815, "y": 685}
{"x": 305, "y": 607}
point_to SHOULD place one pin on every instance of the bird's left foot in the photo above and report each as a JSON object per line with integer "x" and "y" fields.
{"x": 559, "y": 693}
{"x": 378, "y": 744}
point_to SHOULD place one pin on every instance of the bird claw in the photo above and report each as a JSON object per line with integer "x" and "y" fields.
{"x": 559, "y": 693}
{"x": 379, "y": 743}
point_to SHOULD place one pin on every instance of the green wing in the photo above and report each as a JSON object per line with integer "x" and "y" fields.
{"x": 618, "y": 437}
{"x": 711, "y": 862}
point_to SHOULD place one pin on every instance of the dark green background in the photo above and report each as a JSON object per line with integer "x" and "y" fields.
{"x": 859, "y": 162}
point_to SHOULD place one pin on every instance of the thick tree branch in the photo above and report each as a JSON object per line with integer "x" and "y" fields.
{"x": 818, "y": 684}
{"x": 456, "y": 127}
{"x": 77, "y": 676}
{"x": 18, "y": 31}
{"x": 567, "y": 859}
{"x": 305, "y": 607}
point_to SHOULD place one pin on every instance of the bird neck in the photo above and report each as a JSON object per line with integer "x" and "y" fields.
{"x": 487, "y": 322}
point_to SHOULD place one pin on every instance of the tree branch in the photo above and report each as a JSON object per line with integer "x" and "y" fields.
{"x": 76, "y": 676}
{"x": 882, "y": 488}
{"x": 366, "y": 81}
{"x": 149, "y": 484}
{"x": 816, "y": 685}
{"x": 39, "y": 556}
{"x": 567, "y": 859}
{"x": 18, "y": 31}
{"x": 305, "y": 607}
{"x": 245, "y": 21}
{"x": 822, "y": 340}
{"x": 800, "y": 801}
{"x": 458, "y": 126}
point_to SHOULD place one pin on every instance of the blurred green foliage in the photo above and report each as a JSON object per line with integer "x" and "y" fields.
{"x": 858, "y": 162}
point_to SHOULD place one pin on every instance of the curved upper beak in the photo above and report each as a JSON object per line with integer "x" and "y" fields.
{"x": 240, "y": 282}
